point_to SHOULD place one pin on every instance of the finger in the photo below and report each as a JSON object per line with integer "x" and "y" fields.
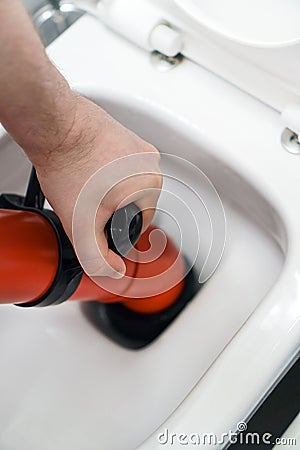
{"x": 92, "y": 249}
{"x": 114, "y": 264}
{"x": 147, "y": 204}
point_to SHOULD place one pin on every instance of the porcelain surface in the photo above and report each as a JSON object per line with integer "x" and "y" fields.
{"x": 74, "y": 389}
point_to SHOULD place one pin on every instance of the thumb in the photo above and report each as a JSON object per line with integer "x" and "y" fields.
{"x": 92, "y": 249}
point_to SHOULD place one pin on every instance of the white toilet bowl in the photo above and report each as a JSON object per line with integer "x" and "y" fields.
{"x": 66, "y": 386}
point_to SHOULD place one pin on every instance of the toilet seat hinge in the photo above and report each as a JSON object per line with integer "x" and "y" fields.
{"x": 290, "y": 137}
{"x": 142, "y": 22}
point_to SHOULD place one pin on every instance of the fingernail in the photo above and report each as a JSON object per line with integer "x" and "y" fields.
{"x": 119, "y": 272}
{"x": 117, "y": 275}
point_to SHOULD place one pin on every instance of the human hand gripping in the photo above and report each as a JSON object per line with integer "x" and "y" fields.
{"x": 68, "y": 139}
{"x": 98, "y": 145}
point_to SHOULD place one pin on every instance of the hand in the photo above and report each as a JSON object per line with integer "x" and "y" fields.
{"x": 94, "y": 140}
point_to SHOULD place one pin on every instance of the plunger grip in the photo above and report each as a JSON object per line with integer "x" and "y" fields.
{"x": 30, "y": 253}
{"x": 29, "y": 256}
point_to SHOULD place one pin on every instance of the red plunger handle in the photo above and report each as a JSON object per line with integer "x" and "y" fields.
{"x": 29, "y": 257}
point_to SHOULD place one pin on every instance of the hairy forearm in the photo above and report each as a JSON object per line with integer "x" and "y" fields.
{"x": 37, "y": 107}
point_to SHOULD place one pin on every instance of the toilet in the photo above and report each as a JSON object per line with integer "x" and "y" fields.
{"x": 217, "y": 90}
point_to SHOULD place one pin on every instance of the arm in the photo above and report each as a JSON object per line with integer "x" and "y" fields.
{"x": 37, "y": 106}
{"x": 66, "y": 136}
